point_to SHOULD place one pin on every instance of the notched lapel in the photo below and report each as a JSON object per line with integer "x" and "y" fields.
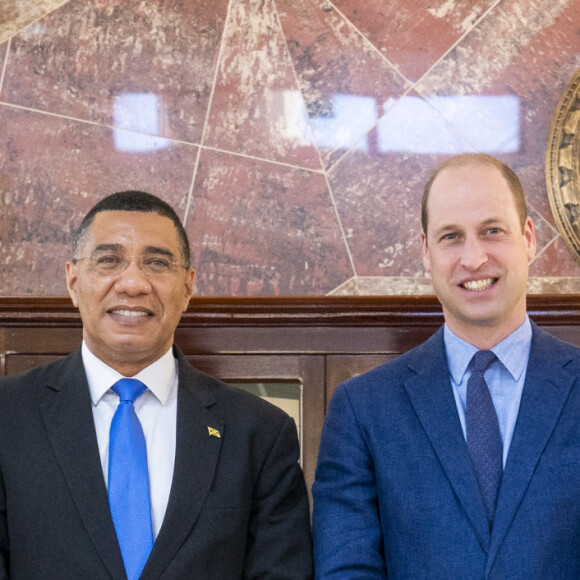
{"x": 68, "y": 419}
{"x": 432, "y": 398}
{"x": 200, "y": 433}
{"x": 546, "y": 389}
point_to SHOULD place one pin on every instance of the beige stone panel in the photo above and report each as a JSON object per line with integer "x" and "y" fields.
{"x": 420, "y": 286}
{"x": 18, "y": 14}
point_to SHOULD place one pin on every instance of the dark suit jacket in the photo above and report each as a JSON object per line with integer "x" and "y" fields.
{"x": 238, "y": 506}
{"x": 395, "y": 493}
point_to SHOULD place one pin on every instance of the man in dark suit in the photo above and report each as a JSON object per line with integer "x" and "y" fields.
{"x": 460, "y": 459}
{"x": 224, "y": 495}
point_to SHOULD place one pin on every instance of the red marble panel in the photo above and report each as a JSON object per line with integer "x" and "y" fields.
{"x": 545, "y": 234}
{"x": 260, "y": 229}
{"x": 344, "y": 80}
{"x": 257, "y": 107}
{"x": 52, "y": 171}
{"x": 533, "y": 178}
{"x": 555, "y": 261}
{"x": 3, "y": 54}
{"x": 380, "y": 204}
{"x": 413, "y": 35}
{"x": 528, "y": 51}
{"x": 378, "y": 195}
{"x": 378, "y": 192}
{"x": 3, "y": 48}
{"x": 378, "y": 199}
{"x": 84, "y": 58}
{"x": 17, "y": 14}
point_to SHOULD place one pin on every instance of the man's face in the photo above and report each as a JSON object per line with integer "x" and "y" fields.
{"x": 477, "y": 254}
{"x": 129, "y": 318}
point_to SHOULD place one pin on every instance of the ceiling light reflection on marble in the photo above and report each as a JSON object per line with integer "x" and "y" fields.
{"x": 445, "y": 125}
{"x": 490, "y": 123}
{"x": 413, "y": 126}
{"x": 136, "y": 117}
{"x": 352, "y": 117}
{"x": 439, "y": 125}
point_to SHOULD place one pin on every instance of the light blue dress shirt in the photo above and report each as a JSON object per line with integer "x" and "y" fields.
{"x": 505, "y": 378}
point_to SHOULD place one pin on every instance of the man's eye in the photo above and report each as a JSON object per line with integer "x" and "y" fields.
{"x": 157, "y": 264}
{"x": 449, "y": 237}
{"x": 108, "y": 260}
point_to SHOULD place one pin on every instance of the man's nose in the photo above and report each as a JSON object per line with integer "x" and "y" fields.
{"x": 132, "y": 279}
{"x": 474, "y": 253}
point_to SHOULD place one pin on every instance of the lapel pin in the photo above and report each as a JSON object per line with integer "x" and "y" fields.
{"x": 214, "y": 432}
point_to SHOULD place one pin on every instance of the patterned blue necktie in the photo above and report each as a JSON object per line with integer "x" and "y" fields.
{"x": 483, "y": 435}
{"x": 129, "y": 480}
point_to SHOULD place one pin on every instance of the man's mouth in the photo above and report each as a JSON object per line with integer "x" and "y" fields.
{"x": 129, "y": 313}
{"x": 479, "y": 285}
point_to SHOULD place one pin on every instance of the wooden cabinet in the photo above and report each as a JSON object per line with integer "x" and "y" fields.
{"x": 291, "y": 380}
{"x": 293, "y": 351}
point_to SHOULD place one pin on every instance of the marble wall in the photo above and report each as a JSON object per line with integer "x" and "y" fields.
{"x": 292, "y": 136}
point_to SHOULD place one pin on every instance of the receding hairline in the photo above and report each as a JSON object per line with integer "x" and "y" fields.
{"x": 477, "y": 160}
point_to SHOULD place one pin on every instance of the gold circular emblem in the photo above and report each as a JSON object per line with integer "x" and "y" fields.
{"x": 563, "y": 166}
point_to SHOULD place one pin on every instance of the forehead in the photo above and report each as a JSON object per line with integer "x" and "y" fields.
{"x": 471, "y": 190}
{"x": 132, "y": 230}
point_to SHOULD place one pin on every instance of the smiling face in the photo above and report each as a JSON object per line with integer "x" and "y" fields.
{"x": 477, "y": 253}
{"x": 129, "y": 319}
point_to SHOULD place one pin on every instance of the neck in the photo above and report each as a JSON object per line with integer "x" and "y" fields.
{"x": 483, "y": 337}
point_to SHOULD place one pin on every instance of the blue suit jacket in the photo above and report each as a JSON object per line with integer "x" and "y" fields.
{"x": 395, "y": 493}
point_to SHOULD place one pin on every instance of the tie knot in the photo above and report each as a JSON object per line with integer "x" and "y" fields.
{"x": 482, "y": 360}
{"x": 129, "y": 389}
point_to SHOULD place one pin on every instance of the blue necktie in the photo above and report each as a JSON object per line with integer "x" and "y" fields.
{"x": 483, "y": 435}
{"x": 129, "y": 480}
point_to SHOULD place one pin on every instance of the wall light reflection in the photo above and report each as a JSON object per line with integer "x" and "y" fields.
{"x": 135, "y": 115}
{"x": 352, "y": 117}
{"x": 490, "y": 124}
{"x": 439, "y": 125}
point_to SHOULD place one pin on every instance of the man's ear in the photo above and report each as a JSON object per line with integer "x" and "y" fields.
{"x": 189, "y": 285}
{"x": 425, "y": 253}
{"x": 530, "y": 237}
{"x": 71, "y": 281}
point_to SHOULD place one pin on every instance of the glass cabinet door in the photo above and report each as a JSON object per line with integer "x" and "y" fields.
{"x": 295, "y": 383}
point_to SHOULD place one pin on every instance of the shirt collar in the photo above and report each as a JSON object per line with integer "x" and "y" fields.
{"x": 513, "y": 351}
{"x": 158, "y": 376}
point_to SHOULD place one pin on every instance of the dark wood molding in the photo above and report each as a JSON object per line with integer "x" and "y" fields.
{"x": 365, "y": 311}
{"x": 318, "y": 341}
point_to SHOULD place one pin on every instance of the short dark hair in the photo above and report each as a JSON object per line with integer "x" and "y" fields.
{"x": 465, "y": 159}
{"x": 139, "y": 201}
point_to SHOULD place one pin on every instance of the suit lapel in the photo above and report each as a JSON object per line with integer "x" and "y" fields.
{"x": 196, "y": 457}
{"x": 68, "y": 419}
{"x": 545, "y": 392}
{"x": 432, "y": 398}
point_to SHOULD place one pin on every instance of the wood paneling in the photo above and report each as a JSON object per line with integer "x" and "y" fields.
{"x": 317, "y": 341}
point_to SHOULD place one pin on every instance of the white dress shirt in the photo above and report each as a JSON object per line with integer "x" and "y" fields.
{"x": 157, "y": 411}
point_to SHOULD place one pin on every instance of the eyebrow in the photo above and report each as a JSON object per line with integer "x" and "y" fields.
{"x": 119, "y": 248}
{"x": 108, "y": 248}
{"x": 158, "y": 250}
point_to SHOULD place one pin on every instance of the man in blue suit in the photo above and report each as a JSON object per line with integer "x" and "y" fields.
{"x": 434, "y": 466}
